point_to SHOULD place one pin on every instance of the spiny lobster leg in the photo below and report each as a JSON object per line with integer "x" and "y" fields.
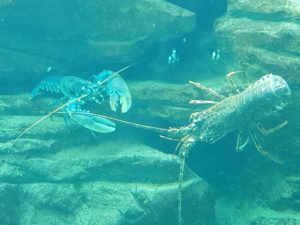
{"x": 202, "y": 102}
{"x": 240, "y": 144}
{"x": 261, "y": 150}
{"x": 229, "y": 78}
{"x": 209, "y": 90}
{"x": 272, "y": 130}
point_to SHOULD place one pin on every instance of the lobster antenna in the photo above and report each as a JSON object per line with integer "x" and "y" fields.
{"x": 43, "y": 118}
{"x": 68, "y": 102}
{"x": 114, "y": 74}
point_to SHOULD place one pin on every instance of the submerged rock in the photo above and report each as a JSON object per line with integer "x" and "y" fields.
{"x": 118, "y": 31}
{"x": 261, "y": 37}
{"x": 275, "y": 221}
{"x": 27, "y": 146}
{"x": 277, "y": 10}
{"x": 285, "y": 194}
{"x": 108, "y": 183}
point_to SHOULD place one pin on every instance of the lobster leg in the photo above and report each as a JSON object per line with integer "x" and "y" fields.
{"x": 261, "y": 150}
{"x": 272, "y": 130}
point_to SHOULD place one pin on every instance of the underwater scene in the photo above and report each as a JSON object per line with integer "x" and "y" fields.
{"x": 150, "y": 112}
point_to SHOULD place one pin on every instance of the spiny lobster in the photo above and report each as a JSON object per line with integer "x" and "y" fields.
{"x": 241, "y": 112}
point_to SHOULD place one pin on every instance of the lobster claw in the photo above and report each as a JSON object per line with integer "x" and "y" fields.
{"x": 93, "y": 122}
{"x": 117, "y": 90}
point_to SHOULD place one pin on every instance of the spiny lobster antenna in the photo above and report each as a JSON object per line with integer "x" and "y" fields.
{"x": 184, "y": 146}
{"x": 67, "y": 103}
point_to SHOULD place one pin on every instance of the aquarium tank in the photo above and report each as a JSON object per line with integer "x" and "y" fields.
{"x": 150, "y": 112}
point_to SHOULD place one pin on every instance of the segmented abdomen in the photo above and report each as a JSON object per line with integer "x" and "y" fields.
{"x": 50, "y": 84}
{"x": 69, "y": 86}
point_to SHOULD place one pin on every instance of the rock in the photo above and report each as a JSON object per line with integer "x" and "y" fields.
{"x": 17, "y": 67}
{"x": 14, "y": 125}
{"x": 275, "y": 221}
{"x": 106, "y": 32}
{"x": 106, "y": 183}
{"x": 265, "y": 10}
{"x": 9, "y": 204}
{"x": 156, "y": 101}
{"x": 27, "y": 146}
{"x": 270, "y": 35}
{"x": 285, "y": 195}
{"x": 253, "y": 32}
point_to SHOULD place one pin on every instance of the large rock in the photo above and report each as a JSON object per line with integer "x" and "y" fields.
{"x": 275, "y": 221}
{"x": 106, "y": 183}
{"x": 65, "y": 36}
{"x": 282, "y": 192}
{"x": 270, "y": 10}
{"x": 261, "y": 37}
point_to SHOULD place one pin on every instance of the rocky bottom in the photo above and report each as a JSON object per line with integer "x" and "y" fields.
{"x": 109, "y": 183}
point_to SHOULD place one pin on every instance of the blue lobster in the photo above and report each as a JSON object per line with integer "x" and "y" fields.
{"x": 76, "y": 91}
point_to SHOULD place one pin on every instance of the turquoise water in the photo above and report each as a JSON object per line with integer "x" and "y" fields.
{"x": 96, "y": 119}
